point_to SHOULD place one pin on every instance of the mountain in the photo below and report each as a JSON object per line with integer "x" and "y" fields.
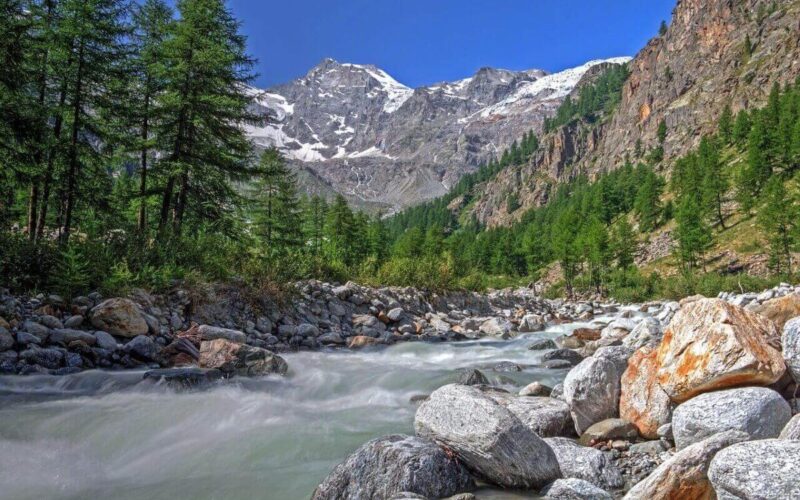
{"x": 355, "y": 130}
{"x": 714, "y": 53}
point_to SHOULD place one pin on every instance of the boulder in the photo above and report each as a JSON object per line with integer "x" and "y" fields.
{"x": 34, "y": 328}
{"x": 535, "y": 389}
{"x": 642, "y": 401}
{"x": 119, "y": 317}
{"x": 180, "y": 352}
{"x": 144, "y": 348}
{"x": 331, "y": 338}
{"x": 208, "y": 332}
{"x": 307, "y": 330}
{"x": 583, "y": 462}
{"x": 395, "y": 314}
{"x": 46, "y": 358}
{"x": 792, "y": 429}
{"x": 617, "y": 354}
{"x": 563, "y": 354}
{"x": 470, "y": 376}
{"x": 542, "y": 344}
{"x": 647, "y": 333}
{"x": 685, "y": 474}
{"x": 574, "y": 489}
{"x": 65, "y": 336}
{"x": 790, "y": 340}
{"x": 6, "y": 339}
{"x": 388, "y": 466}
{"x": 360, "y": 341}
{"x": 488, "y": 438}
{"x": 497, "y": 327}
{"x": 240, "y": 359}
{"x": 757, "y": 470}
{"x": 607, "y": 430}
{"x": 183, "y": 378}
{"x": 104, "y": 340}
{"x": 531, "y": 323}
{"x": 711, "y": 345}
{"x": 781, "y": 309}
{"x": 759, "y": 412}
{"x": 592, "y": 391}
{"x": 546, "y": 417}
{"x": 586, "y": 334}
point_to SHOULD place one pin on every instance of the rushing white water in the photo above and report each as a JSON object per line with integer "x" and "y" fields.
{"x": 109, "y": 435}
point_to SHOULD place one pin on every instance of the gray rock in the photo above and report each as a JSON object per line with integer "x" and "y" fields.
{"x": 792, "y": 429}
{"x": 546, "y": 417}
{"x": 51, "y": 322}
{"x": 617, "y": 354}
{"x": 6, "y": 339}
{"x": 563, "y": 354}
{"x": 790, "y": 340}
{"x": 648, "y": 448}
{"x": 25, "y": 338}
{"x": 488, "y": 438}
{"x": 592, "y": 391}
{"x": 388, "y": 466}
{"x": 331, "y": 338}
{"x": 8, "y": 361}
{"x": 143, "y": 348}
{"x": 647, "y": 332}
{"x": 535, "y": 389}
{"x": 665, "y": 432}
{"x": 470, "y": 376}
{"x": 609, "y": 429}
{"x": 497, "y": 327}
{"x": 558, "y": 364}
{"x": 65, "y": 336}
{"x": 531, "y": 323}
{"x": 583, "y": 462}
{"x": 758, "y": 411}
{"x": 183, "y": 378}
{"x": 542, "y": 344}
{"x": 208, "y": 332}
{"x": 574, "y": 489}
{"x": 73, "y": 321}
{"x": 506, "y": 366}
{"x": 48, "y": 358}
{"x": 307, "y": 330}
{"x": 558, "y": 391}
{"x": 395, "y": 314}
{"x": 104, "y": 340}
{"x": 33, "y": 328}
{"x": 757, "y": 470}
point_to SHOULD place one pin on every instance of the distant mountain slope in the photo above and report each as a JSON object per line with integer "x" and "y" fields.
{"x": 684, "y": 78}
{"x": 353, "y": 129}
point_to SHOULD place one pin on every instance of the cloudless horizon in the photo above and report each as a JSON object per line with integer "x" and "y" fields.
{"x": 422, "y": 42}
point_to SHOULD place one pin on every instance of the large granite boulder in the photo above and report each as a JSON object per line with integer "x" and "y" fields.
{"x": 685, "y": 474}
{"x": 792, "y": 429}
{"x": 487, "y": 437}
{"x": 583, "y": 462}
{"x": 387, "y": 466}
{"x": 574, "y": 489}
{"x": 760, "y": 412}
{"x": 711, "y": 345}
{"x": 642, "y": 401}
{"x": 647, "y": 333}
{"x": 780, "y": 309}
{"x": 119, "y": 317}
{"x": 543, "y": 415}
{"x": 757, "y": 470}
{"x": 790, "y": 340}
{"x": 232, "y": 358}
{"x": 591, "y": 390}
{"x": 208, "y": 332}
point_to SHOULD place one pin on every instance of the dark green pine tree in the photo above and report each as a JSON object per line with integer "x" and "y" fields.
{"x": 378, "y": 238}
{"x": 778, "y": 218}
{"x": 662, "y": 29}
{"x": 624, "y": 244}
{"x": 694, "y": 235}
{"x": 726, "y": 125}
{"x": 714, "y": 183}
{"x": 756, "y": 171}
{"x": 647, "y": 204}
{"x": 741, "y": 128}
{"x": 315, "y": 213}
{"x": 277, "y": 211}
{"x": 565, "y": 247}
{"x": 340, "y": 233}
{"x": 203, "y": 107}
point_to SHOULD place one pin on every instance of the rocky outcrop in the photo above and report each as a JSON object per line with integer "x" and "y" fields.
{"x": 240, "y": 359}
{"x": 119, "y": 317}
{"x": 642, "y": 401}
{"x": 760, "y": 412}
{"x": 386, "y": 466}
{"x": 685, "y": 474}
{"x": 757, "y": 470}
{"x": 489, "y": 439}
{"x": 711, "y": 344}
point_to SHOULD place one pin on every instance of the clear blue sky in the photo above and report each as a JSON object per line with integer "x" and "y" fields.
{"x": 425, "y": 41}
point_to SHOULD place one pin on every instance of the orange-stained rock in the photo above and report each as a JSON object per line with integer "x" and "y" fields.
{"x": 711, "y": 345}
{"x": 232, "y": 358}
{"x": 642, "y": 401}
{"x": 360, "y": 341}
{"x": 781, "y": 309}
{"x": 586, "y": 334}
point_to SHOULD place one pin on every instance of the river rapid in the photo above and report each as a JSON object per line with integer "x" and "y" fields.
{"x": 110, "y": 435}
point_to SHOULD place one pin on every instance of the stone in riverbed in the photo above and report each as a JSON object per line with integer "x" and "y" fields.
{"x": 563, "y": 354}
{"x": 387, "y": 466}
{"x": 546, "y": 417}
{"x": 760, "y": 412}
{"x": 6, "y": 339}
{"x": 240, "y": 359}
{"x": 574, "y": 489}
{"x": 65, "y": 336}
{"x": 790, "y": 340}
{"x": 47, "y": 358}
{"x": 592, "y": 391}
{"x": 711, "y": 345}
{"x": 497, "y": 327}
{"x": 642, "y": 401}
{"x": 119, "y": 317}
{"x": 535, "y": 389}
{"x": 208, "y": 332}
{"x": 34, "y": 328}
{"x": 144, "y": 348}
{"x": 183, "y": 378}
{"x": 792, "y": 429}
{"x": 331, "y": 338}
{"x": 780, "y": 310}
{"x": 685, "y": 474}
{"x": 104, "y": 340}
{"x": 587, "y": 334}
{"x": 647, "y": 333}
{"x": 542, "y": 344}
{"x": 757, "y": 470}
{"x": 583, "y": 462}
{"x": 488, "y": 438}
{"x": 471, "y": 376}
{"x": 606, "y": 430}
{"x": 360, "y": 341}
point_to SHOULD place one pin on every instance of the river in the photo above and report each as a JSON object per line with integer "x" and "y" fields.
{"x": 109, "y": 435}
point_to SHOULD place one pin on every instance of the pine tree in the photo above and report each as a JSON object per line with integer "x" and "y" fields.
{"x": 778, "y": 218}
{"x": 623, "y": 244}
{"x": 741, "y": 128}
{"x": 726, "y": 125}
{"x": 661, "y": 133}
{"x": 565, "y": 248}
{"x": 277, "y": 213}
{"x": 747, "y": 48}
{"x": 316, "y": 210}
{"x": 662, "y": 29}
{"x": 594, "y": 243}
{"x": 756, "y": 171}
{"x": 694, "y": 236}
{"x": 647, "y": 203}
{"x": 715, "y": 183}
{"x": 340, "y": 232}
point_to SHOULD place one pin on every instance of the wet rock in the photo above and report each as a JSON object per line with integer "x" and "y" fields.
{"x": 497, "y": 327}
{"x": 557, "y": 364}
{"x": 183, "y": 378}
{"x": 73, "y": 321}
{"x": 387, "y": 466}
{"x": 51, "y": 322}
{"x": 592, "y": 391}
{"x": 395, "y": 314}
{"x": 582, "y": 462}
{"x": 711, "y": 345}
{"x": 104, "y": 340}
{"x": 208, "y": 332}
{"x": 66, "y": 336}
{"x": 488, "y": 438}
{"x": 47, "y": 358}
{"x": 535, "y": 389}
{"x": 360, "y": 341}
{"x": 791, "y": 347}
{"x": 8, "y": 362}
{"x": 642, "y": 401}
{"x": 180, "y": 352}
{"x": 587, "y": 334}
{"x": 574, "y": 489}
{"x": 471, "y": 376}
{"x": 25, "y": 339}
{"x": 240, "y": 359}
{"x": 531, "y": 323}
{"x": 757, "y": 470}
{"x": 558, "y": 391}
{"x": 33, "y": 328}
{"x": 331, "y": 338}
{"x": 144, "y": 348}
{"x": 307, "y": 330}
{"x": 119, "y": 317}
{"x": 760, "y": 412}
{"x": 609, "y": 429}
{"x": 563, "y": 354}
{"x": 685, "y": 474}
{"x": 542, "y": 344}
{"x": 507, "y": 366}
{"x": 792, "y": 429}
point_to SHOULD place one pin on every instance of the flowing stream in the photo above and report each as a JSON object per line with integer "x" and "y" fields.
{"x": 110, "y": 435}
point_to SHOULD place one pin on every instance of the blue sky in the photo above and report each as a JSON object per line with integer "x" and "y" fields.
{"x": 426, "y": 41}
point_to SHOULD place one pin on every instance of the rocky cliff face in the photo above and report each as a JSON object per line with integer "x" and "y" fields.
{"x": 353, "y": 129}
{"x": 685, "y": 78}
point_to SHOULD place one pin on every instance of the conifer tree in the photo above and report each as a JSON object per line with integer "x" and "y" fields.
{"x": 623, "y": 244}
{"x": 714, "y": 183}
{"x": 726, "y": 125}
{"x": 662, "y": 29}
{"x": 315, "y": 213}
{"x": 694, "y": 236}
{"x": 779, "y": 219}
{"x": 340, "y": 232}
{"x": 277, "y": 211}
{"x": 741, "y": 128}
{"x": 647, "y": 203}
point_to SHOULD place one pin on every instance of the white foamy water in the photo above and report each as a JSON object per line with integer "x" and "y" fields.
{"x": 109, "y": 435}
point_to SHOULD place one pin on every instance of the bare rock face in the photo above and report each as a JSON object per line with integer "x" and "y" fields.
{"x": 781, "y": 309}
{"x": 386, "y": 466}
{"x": 711, "y": 345}
{"x": 685, "y": 474}
{"x": 488, "y": 438}
{"x": 119, "y": 317}
{"x": 232, "y": 358}
{"x": 757, "y": 470}
{"x": 591, "y": 390}
{"x": 642, "y": 401}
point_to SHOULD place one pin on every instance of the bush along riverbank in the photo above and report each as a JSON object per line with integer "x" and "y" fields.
{"x": 678, "y": 400}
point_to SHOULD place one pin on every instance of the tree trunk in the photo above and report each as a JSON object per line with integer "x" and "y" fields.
{"x": 33, "y": 204}
{"x": 143, "y": 174}
{"x": 72, "y": 171}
